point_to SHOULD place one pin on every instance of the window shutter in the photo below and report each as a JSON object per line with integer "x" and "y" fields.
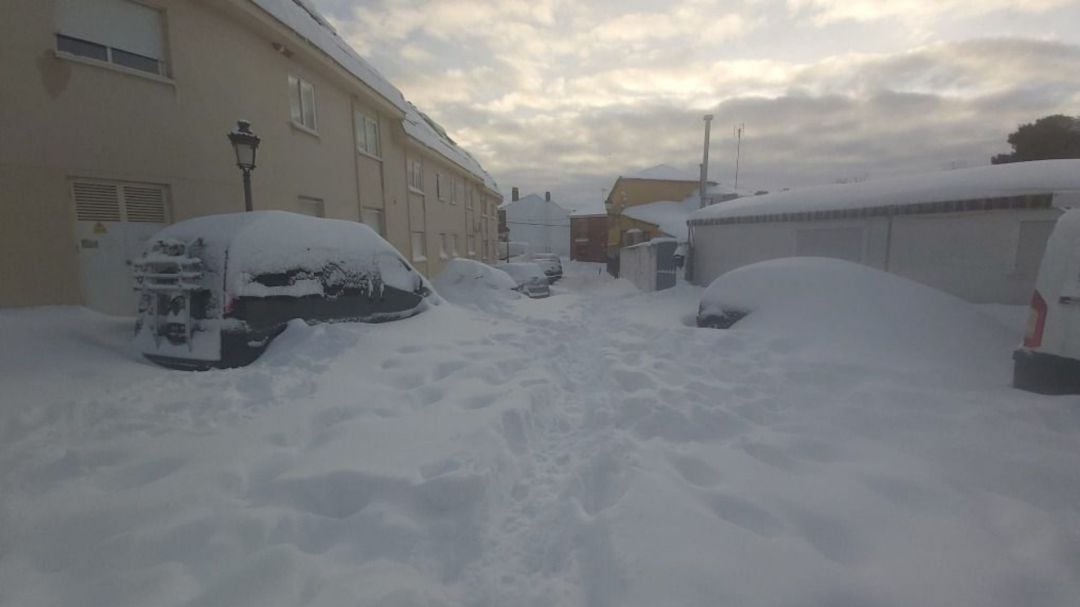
{"x": 96, "y": 201}
{"x": 144, "y": 204}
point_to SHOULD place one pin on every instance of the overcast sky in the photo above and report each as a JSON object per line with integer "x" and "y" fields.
{"x": 566, "y": 95}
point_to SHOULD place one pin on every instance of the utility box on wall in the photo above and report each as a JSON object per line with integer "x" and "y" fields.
{"x": 649, "y": 265}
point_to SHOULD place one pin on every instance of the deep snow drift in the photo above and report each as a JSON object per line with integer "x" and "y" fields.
{"x": 585, "y": 449}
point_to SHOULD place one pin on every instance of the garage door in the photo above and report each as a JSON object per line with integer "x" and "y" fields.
{"x": 113, "y": 221}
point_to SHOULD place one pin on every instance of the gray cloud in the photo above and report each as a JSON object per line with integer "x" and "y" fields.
{"x": 564, "y": 96}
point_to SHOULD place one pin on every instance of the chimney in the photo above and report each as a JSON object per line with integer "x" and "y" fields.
{"x": 547, "y": 196}
{"x": 513, "y": 194}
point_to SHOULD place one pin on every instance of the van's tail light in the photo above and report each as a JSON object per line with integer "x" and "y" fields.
{"x": 1036, "y": 322}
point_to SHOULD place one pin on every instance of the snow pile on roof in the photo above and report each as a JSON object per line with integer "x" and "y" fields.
{"x": 664, "y": 172}
{"x": 669, "y": 216}
{"x": 421, "y": 127}
{"x": 813, "y": 301}
{"x": 548, "y": 211}
{"x": 589, "y": 209}
{"x": 993, "y": 181}
{"x": 472, "y": 283}
{"x": 261, "y": 242}
{"x": 301, "y": 17}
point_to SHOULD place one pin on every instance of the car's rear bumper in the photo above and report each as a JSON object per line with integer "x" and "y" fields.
{"x": 1045, "y": 373}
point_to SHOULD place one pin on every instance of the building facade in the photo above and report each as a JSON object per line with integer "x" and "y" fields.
{"x": 588, "y": 237}
{"x": 977, "y": 233}
{"x": 649, "y": 186}
{"x": 117, "y": 123}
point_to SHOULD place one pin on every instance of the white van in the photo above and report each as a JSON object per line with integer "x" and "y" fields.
{"x": 1049, "y": 361}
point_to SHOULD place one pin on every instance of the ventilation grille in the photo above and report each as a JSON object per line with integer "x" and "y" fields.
{"x": 144, "y": 204}
{"x": 96, "y": 201}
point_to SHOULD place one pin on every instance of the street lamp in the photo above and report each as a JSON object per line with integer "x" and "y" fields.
{"x": 245, "y": 143}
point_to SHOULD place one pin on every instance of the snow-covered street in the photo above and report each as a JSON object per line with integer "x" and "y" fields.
{"x": 593, "y": 448}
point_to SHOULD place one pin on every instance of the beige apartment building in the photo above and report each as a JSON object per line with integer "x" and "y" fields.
{"x": 113, "y": 122}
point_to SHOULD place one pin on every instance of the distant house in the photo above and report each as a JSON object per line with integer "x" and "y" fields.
{"x": 977, "y": 233}
{"x": 588, "y": 236}
{"x": 538, "y": 221}
{"x": 638, "y": 204}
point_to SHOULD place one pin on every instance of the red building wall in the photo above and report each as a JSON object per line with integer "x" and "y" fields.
{"x": 588, "y": 238}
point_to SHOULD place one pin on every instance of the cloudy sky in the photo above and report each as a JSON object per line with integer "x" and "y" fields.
{"x": 565, "y": 95}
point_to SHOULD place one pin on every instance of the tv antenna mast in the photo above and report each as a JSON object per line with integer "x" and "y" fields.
{"x": 738, "y": 150}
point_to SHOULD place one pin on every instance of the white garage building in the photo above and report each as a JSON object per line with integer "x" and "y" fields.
{"x": 977, "y": 233}
{"x": 540, "y": 222}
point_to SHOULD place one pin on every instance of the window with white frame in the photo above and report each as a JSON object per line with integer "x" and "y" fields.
{"x": 469, "y": 190}
{"x": 374, "y": 218}
{"x": 367, "y": 134}
{"x": 419, "y": 248}
{"x": 416, "y": 174}
{"x": 309, "y": 205}
{"x": 120, "y": 32}
{"x": 471, "y": 242}
{"x": 440, "y": 187}
{"x": 302, "y": 102}
{"x": 444, "y": 246}
{"x": 453, "y": 245}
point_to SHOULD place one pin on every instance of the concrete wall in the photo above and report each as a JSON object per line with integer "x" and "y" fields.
{"x": 977, "y": 256}
{"x": 64, "y": 118}
{"x": 638, "y": 265}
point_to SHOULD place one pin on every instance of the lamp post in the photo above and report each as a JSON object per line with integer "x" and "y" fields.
{"x": 245, "y": 143}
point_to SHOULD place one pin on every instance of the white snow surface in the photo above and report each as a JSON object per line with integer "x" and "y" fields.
{"x": 1037, "y": 177}
{"x": 664, "y": 172}
{"x": 586, "y": 449}
{"x": 301, "y": 17}
{"x": 472, "y": 283}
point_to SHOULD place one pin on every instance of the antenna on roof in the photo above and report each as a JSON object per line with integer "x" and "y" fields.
{"x": 738, "y": 150}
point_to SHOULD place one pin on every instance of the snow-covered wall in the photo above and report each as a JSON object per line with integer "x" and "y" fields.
{"x": 982, "y": 256}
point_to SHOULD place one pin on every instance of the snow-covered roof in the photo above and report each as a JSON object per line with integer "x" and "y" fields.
{"x": 590, "y": 209}
{"x": 667, "y": 215}
{"x": 301, "y": 17}
{"x": 422, "y": 128}
{"x": 533, "y": 199}
{"x": 979, "y": 183}
{"x": 663, "y": 172}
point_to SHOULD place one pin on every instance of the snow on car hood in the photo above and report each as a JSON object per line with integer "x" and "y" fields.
{"x": 262, "y": 242}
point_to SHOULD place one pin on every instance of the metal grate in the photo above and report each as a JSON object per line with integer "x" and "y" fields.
{"x": 145, "y": 204}
{"x": 96, "y": 201}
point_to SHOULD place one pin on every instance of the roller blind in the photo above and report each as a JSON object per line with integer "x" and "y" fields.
{"x": 120, "y": 24}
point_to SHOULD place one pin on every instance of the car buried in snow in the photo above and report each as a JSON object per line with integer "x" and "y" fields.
{"x": 214, "y": 291}
{"x": 550, "y": 264}
{"x": 530, "y": 278}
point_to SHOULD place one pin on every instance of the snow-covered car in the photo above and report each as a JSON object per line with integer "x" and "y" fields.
{"x": 1048, "y": 362}
{"x": 529, "y": 278}
{"x": 550, "y": 264}
{"x": 465, "y": 281}
{"x": 214, "y": 291}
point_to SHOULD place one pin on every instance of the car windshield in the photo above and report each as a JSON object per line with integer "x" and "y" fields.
{"x": 550, "y": 303}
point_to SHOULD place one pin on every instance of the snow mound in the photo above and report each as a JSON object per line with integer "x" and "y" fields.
{"x": 472, "y": 283}
{"x": 855, "y": 310}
